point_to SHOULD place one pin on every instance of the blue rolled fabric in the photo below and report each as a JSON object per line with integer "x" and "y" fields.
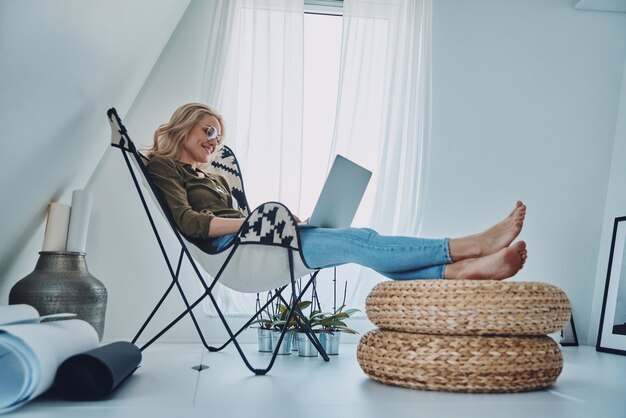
{"x": 97, "y": 373}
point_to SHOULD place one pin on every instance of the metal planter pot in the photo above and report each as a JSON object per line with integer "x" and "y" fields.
{"x": 305, "y": 346}
{"x": 61, "y": 283}
{"x": 330, "y": 342}
{"x": 285, "y": 347}
{"x": 265, "y": 340}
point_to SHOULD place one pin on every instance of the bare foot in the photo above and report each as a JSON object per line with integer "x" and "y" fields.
{"x": 492, "y": 240}
{"x": 500, "y": 265}
{"x": 523, "y": 253}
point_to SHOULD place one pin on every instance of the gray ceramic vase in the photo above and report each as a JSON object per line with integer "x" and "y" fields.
{"x": 61, "y": 283}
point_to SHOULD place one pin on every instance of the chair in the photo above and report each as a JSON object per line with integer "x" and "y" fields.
{"x": 264, "y": 256}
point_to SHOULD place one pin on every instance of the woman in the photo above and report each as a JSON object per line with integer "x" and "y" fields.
{"x": 202, "y": 207}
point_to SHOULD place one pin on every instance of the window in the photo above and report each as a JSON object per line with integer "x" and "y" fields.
{"x": 282, "y": 88}
{"x": 322, "y": 50}
{"x": 327, "y": 7}
{"x": 282, "y": 82}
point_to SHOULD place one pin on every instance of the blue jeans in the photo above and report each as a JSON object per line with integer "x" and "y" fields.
{"x": 398, "y": 258}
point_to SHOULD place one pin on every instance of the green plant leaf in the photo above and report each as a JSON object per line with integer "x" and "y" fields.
{"x": 263, "y": 323}
{"x": 316, "y": 315}
{"x": 347, "y": 330}
{"x": 351, "y": 312}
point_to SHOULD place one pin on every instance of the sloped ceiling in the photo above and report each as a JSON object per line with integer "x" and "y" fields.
{"x": 602, "y": 5}
{"x": 62, "y": 64}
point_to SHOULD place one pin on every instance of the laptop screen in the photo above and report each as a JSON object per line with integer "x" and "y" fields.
{"x": 341, "y": 195}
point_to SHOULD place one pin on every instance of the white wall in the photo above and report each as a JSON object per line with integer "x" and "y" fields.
{"x": 615, "y": 207}
{"x": 62, "y": 64}
{"x": 524, "y": 107}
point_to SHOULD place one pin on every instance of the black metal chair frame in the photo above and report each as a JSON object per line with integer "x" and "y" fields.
{"x": 129, "y": 151}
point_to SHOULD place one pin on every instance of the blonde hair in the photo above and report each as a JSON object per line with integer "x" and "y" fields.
{"x": 169, "y": 137}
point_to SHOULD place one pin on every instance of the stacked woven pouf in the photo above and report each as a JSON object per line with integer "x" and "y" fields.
{"x": 464, "y": 336}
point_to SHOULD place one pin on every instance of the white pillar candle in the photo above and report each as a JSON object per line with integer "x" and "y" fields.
{"x": 55, "y": 238}
{"x": 79, "y": 221}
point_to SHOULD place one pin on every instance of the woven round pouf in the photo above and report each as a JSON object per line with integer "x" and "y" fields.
{"x": 460, "y": 363}
{"x": 468, "y": 307}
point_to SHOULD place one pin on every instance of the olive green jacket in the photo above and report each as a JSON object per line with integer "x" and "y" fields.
{"x": 193, "y": 201}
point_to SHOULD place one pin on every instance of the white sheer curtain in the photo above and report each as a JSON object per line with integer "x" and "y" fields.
{"x": 260, "y": 96}
{"x": 383, "y": 118}
{"x": 221, "y": 23}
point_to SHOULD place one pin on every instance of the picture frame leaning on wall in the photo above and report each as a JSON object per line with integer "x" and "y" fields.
{"x": 569, "y": 337}
{"x": 612, "y": 330}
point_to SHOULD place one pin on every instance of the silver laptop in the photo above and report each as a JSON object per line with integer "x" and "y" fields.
{"x": 341, "y": 195}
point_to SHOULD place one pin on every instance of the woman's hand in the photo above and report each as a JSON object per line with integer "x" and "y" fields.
{"x": 297, "y": 218}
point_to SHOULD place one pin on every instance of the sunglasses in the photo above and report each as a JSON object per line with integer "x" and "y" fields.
{"x": 211, "y": 133}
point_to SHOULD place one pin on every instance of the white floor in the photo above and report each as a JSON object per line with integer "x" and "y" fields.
{"x": 592, "y": 384}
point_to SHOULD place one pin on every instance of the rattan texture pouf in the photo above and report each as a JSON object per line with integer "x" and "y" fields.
{"x": 460, "y": 363}
{"x": 473, "y": 307}
{"x": 464, "y": 336}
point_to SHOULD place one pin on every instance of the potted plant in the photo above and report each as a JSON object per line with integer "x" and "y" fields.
{"x": 265, "y": 326}
{"x": 327, "y": 325}
{"x": 333, "y": 323}
{"x": 280, "y": 323}
{"x": 332, "y": 326}
{"x": 305, "y": 346}
{"x": 264, "y": 335}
